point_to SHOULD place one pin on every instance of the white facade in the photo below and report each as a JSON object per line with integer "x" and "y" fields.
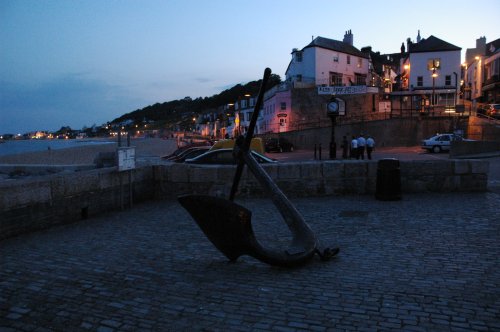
{"x": 328, "y": 62}
{"x": 431, "y": 71}
{"x": 348, "y": 65}
{"x": 449, "y": 67}
{"x": 474, "y": 78}
{"x": 276, "y": 113}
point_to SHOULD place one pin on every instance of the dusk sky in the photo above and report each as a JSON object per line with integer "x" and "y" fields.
{"x": 85, "y": 62}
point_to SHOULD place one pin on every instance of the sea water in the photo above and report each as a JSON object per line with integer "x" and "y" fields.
{"x": 21, "y": 146}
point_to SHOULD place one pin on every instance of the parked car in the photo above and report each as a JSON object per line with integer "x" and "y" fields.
{"x": 278, "y": 145}
{"x": 182, "y": 149}
{"x": 493, "y": 110}
{"x": 441, "y": 142}
{"x": 255, "y": 144}
{"x": 225, "y": 157}
{"x": 190, "y": 153}
{"x": 482, "y": 110}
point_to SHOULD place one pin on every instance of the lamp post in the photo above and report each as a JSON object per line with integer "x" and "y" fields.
{"x": 333, "y": 112}
{"x": 434, "y": 75}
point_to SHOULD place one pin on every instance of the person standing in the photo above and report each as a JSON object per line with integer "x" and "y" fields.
{"x": 370, "y": 144}
{"x": 361, "y": 147}
{"x": 354, "y": 147}
{"x": 345, "y": 147}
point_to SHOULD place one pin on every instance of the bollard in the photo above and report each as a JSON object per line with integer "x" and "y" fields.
{"x": 388, "y": 180}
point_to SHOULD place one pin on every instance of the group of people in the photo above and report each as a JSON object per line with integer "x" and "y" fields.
{"x": 357, "y": 147}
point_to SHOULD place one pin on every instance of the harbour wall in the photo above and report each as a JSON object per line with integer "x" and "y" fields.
{"x": 40, "y": 202}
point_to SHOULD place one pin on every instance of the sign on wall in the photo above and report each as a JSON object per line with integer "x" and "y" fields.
{"x": 341, "y": 90}
{"x": 126, "y": 158}
{"x": 384, "y": 106}
{"x": 346, "y": 90}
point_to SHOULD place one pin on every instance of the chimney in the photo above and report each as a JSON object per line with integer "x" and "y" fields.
{"x": 348, "y": 38}
{"x": 408, "y": 44}
{"x": 481, "y": 45}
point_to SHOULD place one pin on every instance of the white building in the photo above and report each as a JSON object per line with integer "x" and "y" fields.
{"x": 328, "y": 62}
{"x": 431, "y": 69}
{"x": 277, "y": 111}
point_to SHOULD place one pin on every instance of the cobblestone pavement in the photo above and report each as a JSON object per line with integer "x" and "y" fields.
{"x": 425, "y": 263}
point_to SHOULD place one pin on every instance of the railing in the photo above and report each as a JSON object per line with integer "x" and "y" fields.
{"x": 491, "y": 80}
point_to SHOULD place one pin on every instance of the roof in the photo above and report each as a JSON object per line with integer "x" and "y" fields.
{"x": 492, "y": 47}
{"x": 336, "y": 45}
{"x": 432, "y": 44}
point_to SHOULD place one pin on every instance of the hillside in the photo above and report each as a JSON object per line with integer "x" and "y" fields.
{"x": 177, "y": 110}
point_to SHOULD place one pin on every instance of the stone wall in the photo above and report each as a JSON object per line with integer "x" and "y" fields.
{"x": 40, "y": 202}
{"x": 464, "y": 149}
{"x": 309, "y": 109}
{"x": 390, "y": 132}
{"x": 318, "y": 178}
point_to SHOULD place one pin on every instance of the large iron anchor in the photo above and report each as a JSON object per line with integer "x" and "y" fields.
{"x": 228, "y": 225}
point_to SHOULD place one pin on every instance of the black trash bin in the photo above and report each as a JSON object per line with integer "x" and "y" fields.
{"x": 388, "y": 180}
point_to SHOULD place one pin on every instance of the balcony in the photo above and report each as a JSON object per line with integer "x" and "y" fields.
{"x": 491, "y": 82}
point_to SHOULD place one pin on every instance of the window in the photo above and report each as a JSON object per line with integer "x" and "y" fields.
{"x": 299, "y": 78}
{"x": 420, "y": 81}
{"x": 447, "y": 80}
{"x": 283, "y": 106}
{"x": 348, "y": 59}
{"x": 360, "y": 62}
{"x": 336, "y": 57}
{"x": 335, "y": 78}
{"x": 433, "y": 64}
{"x": 360, "y": 79}
{"x": 298, "y": 56}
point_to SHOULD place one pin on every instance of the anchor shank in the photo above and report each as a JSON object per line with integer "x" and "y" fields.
{"x": 245, "y": 146}
{"x": 300, "y": 229}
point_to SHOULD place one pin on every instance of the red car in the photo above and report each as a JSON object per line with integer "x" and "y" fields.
{"x": 493, "y": 110}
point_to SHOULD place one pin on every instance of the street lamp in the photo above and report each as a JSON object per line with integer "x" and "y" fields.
{"x": 434, "y": 75}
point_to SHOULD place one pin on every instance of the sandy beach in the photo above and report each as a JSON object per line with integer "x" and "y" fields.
{"x": 85, "y": 154}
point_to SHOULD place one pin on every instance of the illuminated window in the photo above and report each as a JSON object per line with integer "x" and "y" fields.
{"x": 360, "y": 62}
{"x": 335, "y": 78}
{"x": 433, "y": 64}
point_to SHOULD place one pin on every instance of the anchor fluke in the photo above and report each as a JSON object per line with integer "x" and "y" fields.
{"x": 226, "y": 224}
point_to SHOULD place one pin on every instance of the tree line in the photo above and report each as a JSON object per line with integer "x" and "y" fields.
{"x": 177, "y": 110}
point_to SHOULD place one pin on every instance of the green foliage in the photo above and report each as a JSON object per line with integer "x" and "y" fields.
{"x": 177, "y": 110}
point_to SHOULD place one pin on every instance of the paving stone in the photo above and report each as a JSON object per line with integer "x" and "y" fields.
{"x": 427, "y": 262}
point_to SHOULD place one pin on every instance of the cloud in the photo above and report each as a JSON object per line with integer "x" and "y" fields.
{"x": 203, "y": 79}
{"x": 75, "y": 100}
